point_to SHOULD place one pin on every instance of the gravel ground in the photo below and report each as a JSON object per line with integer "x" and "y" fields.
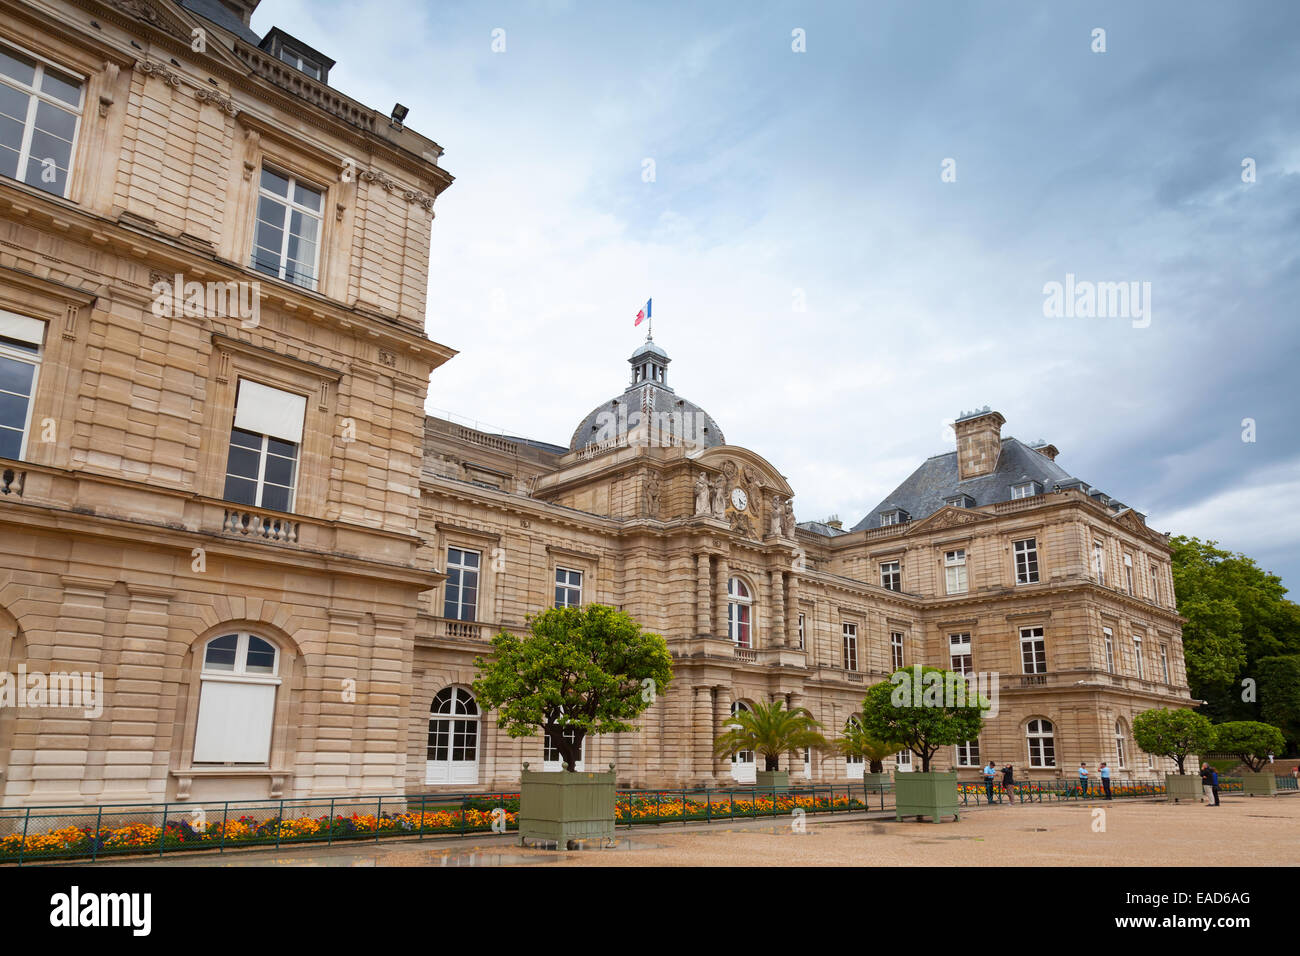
{"x": 1242, "y": 832}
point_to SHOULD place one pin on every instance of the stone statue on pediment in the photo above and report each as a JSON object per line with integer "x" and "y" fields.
{"x": 701, "y": 494}
{"x": 776, "y": 514}
{"x": 720, "y": 497}
{"x": 787, "y": 519}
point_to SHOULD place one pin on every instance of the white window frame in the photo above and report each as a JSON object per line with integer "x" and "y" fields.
{"x": 212, "y": 731}
{"x": 23, "y": 357}
{"x": 896, "y": 656}
{"x": 801, "y": 630}
{"x": 1164, "y": 662}
{"x": 854, "y": 764}
{"x": 1108, "y": 644}
{"x": 956, "y": 579}
{"x": 1137, "y": 657}
{"x": 1037, "y": 639}
{"x": 743, "y": 762}
{"x": 903, "y": 761}
{"x": 1038, "y": 730}
{"x": 850, "y": 645}
{"x": 451, "y": 771}
{"x": 891, "y": 572}
{"x": 297, "y": 60}
{"x": 1128, "y": 572}
{"x": 35, "y": 97}
{"x": 888, "y": 518}
{"x": 1025, "y": 489}
{"x": 291, "y": 206}
{"x": 1099, "y": 561}
{"x": 477, "y": 570}
{"x": 1026, "y": 560}
{"x": 568, "y": 586}
{"x": 1155, "y": 581}
{"x": 551, "y": 759}
{"x": 967, "y": 753}
{"x": 740, "y": 632}
{"x": 1121, "y": 748}
{"x": 959, "y": 649}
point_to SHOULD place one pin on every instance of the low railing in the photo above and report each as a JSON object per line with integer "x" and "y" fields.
{"x": 11, "y": 482}
{"x": 255, "y": 524}
{"x": 747, "y": 654}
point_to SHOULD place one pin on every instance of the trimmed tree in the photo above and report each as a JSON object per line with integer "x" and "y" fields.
{"x": 1249, "y": 740}
{"x": 924, "y": 709}
{"x": 580, "y": 671}
{"x": 1173, "y": 733}
{"x": 770, "y": 730}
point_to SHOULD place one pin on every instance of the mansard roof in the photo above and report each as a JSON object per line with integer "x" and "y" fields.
{"x": 927, "y": 489}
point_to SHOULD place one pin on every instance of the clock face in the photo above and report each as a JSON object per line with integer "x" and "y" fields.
{"x": 739, "y": 499}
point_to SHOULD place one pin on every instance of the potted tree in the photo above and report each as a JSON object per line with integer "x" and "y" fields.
{"x": 770, "y": 730}
{"x": 579, "y": 671}
{"x": 856, "y": 742}
{"x": 924, "y": 709}
{"x": 1251, "y": 741}
{"x": 1177, "y": 734}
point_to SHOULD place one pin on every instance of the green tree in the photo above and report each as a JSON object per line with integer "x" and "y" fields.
{"x": 924, "y": 708}
{"x": 1250, "y": 740}
{"x": 1237, "y": 614}
{"x": 1173, "y": 733}
{"x": 1279, "y": 694}
{"x": 580, "y": 671}
{"x": 771, "y": 730}
{"x": 856, "y": 742}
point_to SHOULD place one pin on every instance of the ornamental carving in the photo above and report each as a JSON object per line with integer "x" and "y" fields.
{"x": 370, "y": 176}
{"x": 223, "y": 103}
{"x": 419, "y": 197}
{"x": 149, "y": 68}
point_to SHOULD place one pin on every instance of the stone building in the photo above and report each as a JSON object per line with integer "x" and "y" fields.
{"x": 213, "y": 367}
{"x": 237, "y": 560}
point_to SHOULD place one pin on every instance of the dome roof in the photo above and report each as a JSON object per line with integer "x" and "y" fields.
{"x": 648, "y": 403}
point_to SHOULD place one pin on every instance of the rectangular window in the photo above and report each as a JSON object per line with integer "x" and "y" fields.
{"x": 850, "y": 646}
{"x": 568, "y": 588}
{"x": 1128, "y": 573}
{"x": 1164, "y": 662}
{"x": 40, "y": 110}
{"x": 903, "y": 761}
{"x": 1137, "y": 656}
{"x": 896, "y": 650}
{"x": 299, "y": 62}
{"x": 959, "y": 653}
{"x": 1026, "y": 553}
{"x": 461, "y": 602}
{"x": 1099, "y": 562}
{"x": 1033, "y": 650}
{"x": 20, "y": 359}
{"x": 801, "y": 633}
{"x": 287, "y": 241}
{"x": 891, "y": 576}
{"x": 954, "y": 567}
{"x": 1155, "y": 585}
{"x": 1025, "y": 489}
{"x": 1108, "y": 640}
{"x": 262, "y": 466}
{"x": 968, "y": 754}
{"x": 888, "y": 518}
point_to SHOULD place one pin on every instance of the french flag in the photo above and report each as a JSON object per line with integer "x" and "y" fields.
{"x": 643, "y": 314}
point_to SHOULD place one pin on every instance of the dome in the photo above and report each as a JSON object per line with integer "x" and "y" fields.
{"x": 648, "y": 411}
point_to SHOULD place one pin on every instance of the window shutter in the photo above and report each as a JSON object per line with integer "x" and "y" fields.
{"x": 21, "y": 328}
{"x": 234, "y": 722}
{"x": 269, "y": 411}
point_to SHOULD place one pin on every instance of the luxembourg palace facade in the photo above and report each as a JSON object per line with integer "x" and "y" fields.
{"x": 222, "y": 500}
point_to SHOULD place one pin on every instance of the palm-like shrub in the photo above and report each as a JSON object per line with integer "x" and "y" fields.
{"x": 770, "y": 730}
{"x": 856, "y": 742}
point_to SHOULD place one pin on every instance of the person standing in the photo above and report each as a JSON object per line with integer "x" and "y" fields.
{"x": 1083, "y": 778}
{"x": 988, "y": 779}
{"x": 1214, "y": 785}
{"x": 1008, "y": 782}
{"x": 1105, "y": 778}
{"x": 1205, "y": 783}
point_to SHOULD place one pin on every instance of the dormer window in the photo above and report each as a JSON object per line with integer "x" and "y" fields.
{"x": 292, "y": 51}
{"x": 960, "y": 501}
{"x": 897, "y": 516}
{"x": 300, "y": 62}
{"x": 1025, "y": 489}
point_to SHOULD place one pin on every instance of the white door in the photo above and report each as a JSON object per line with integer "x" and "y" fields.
{"x": 807, "y": 762}
{"x": 452, "y": 756}
{"x": 742, "y": 763}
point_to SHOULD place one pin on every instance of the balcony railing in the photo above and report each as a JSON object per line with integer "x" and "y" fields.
{"x": 11, "y": 482}
{"x": 747, "y": 654}
{"x": 1032, "y": 680}
{"x": 269, "y": 527}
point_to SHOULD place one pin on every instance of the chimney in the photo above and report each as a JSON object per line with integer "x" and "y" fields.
{"x": 979, "y": 442}
{"x": 1047, "y": 451}
{"x": 834, "y": 522}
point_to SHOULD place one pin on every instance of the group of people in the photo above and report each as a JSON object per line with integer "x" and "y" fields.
{"x": 1008, "y": 780}
{"x": 1103, "y": 772}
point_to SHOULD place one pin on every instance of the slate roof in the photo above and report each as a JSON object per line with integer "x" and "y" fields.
{"x": 218, "y": 13}
{"x": 597, "y": 424}
{"x": 820, "y": 527}
{"x": 926, "y": 489}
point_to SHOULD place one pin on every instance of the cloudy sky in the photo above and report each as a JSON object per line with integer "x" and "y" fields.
{"x": 822, "y": 290}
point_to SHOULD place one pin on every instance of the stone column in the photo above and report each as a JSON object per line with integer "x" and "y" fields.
{"x": 703, "y": 604}
{"x": 780, "y": 632}
{"x": 702, "y": 725}
{"x": 721, "y": 716}
{"x": 721, "y": 574}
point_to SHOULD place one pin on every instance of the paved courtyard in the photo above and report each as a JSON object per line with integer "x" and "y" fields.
{"x": 1243, "y": 831}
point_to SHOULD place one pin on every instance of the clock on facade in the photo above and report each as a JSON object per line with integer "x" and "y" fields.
{"x": 739, "y": 499}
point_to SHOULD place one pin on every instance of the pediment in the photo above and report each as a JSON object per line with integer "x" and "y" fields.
{"x": 751, "y": 466}
{"x": 948, "y": 517}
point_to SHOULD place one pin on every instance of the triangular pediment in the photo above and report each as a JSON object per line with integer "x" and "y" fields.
{"x": 948, "y": 517}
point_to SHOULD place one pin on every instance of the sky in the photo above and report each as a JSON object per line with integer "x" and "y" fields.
{"x": 850, "y": 244}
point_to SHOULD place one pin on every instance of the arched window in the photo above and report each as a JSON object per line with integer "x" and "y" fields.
{"x": 742, "y": 762}
{"x": 1042, "y": 743}
{"x": 853, "y": 765}
{"x": 237, "y": 691}
{"x": 740, "y": 611}
{"x": 1121, "y": 748}
{"x": 452, "y": 756}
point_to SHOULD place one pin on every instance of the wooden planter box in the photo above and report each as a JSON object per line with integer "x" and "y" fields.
{"x": 772, "y": 780}
{"x": 875, "y": 782}
{"x": 932, "y": 795}
{"x": 1259, "y": 784}
{"x": 560, "y": 807}
{"x": 1183, "y": 786}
